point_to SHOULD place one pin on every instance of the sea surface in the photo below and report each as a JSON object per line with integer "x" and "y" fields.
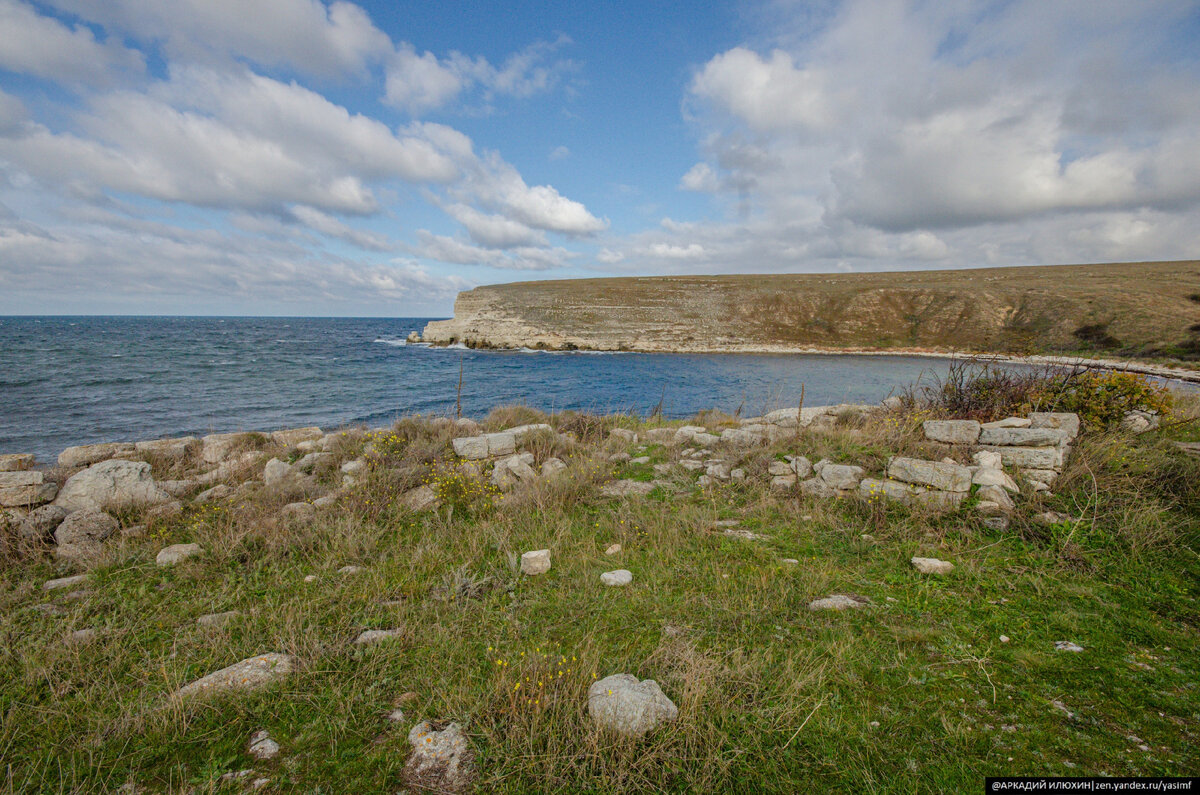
{"x": 78, "y": 380}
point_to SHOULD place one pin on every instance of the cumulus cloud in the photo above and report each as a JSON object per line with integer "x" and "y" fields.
{"x": 896, "y": 133}
{"x": 419, "y": 83}
{"x": 303, "y": 35}
{"x": 459, "y": 252}
{"x": 44, "y": 47}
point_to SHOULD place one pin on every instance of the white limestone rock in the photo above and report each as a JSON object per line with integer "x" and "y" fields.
{"x": 622, "y": 704}
{"x": 261, "y": 746}
{"x": 25, "y": 489}
{"x": 1024, "y": 437}
{"x": 1064, "y": 420}
{"x": 252, "y": 673}
{"x": 472, "y": 448}
{"x": 935, "y": 474}
{"x": 932, "y": 566}
{"x": 617, "y": 577}
{"x": 294, "y": 436}
{"x": 441, "y": 761}
{"x": 111, "y": 485}
{"x": 16, "y": 462}
{"x": 952, "y": 431}
{"x": 169, "y": 556}
{"x": 79, "y": 536}
{"x": 535, "y": 562}
{"x": 839, "y": 601}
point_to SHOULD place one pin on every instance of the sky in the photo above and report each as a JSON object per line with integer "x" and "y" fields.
{"x": 302, "y": 157}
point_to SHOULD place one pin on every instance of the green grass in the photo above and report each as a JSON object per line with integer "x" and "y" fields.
{"x": 914, "y": 694}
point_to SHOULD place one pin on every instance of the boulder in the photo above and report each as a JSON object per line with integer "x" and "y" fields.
{"x": 988, "y": 460}
{"x": 472, "y": 448}
{"x": 111, "y": 485}
{"x": 1009, "y": 422}
{"x": 276, "y": 472}
{"x": 660, "y": 435}
{"x": 627, "y": 488}
{"x": 617, "y": 577}
{"x": 216, "y": 447}
{"x": 261, "y": 746}
{"x": 932, "y": 566}
{"x": 294, "y": 436}
{"x": 801, "y": 466}
{"x": 221, "y": 491}
{"x": 173, "y": 450}
{"x": 88, "y": 454}
{"x": 82, "y": 532}
{"x": 169, "y": 556}
{"x": 441, "y": 761}
{"x": 1029, "y": 457}
{"x": 64, "y": 582}
{"x": 1064, "y": 420}
{"x": 500, "y": 443}
{"x": 687, "y": 432}
{"x": 16, "y": 462}
{"x": 622, "y": 704}
{"x": 998, "y": 495}
{"x": 623, "y": 434}
{"x": 841, "y": 477}
{"x": 422, "y": 498}
{"x": 40, "y": 523}
{"x": 935, "y": 474}
{"x": 252, "y": 673}
{"x": 839, "y": 601}
{"x": 25, "y": 489}
{"x": 372, "y": 636}
{"x": 1026, "y": 437}
{"x": 994, "y": 477}
{"x": 952, "y": 431}
{"x": 535, "y": 562}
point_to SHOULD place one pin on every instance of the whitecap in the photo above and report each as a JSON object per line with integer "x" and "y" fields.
{"x": 391, "y": 341}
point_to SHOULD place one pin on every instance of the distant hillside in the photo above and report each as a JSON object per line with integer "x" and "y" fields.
{"x": 1147, "y": 310}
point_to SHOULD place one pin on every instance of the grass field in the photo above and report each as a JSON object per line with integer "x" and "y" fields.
{"x": 915, "y": 693}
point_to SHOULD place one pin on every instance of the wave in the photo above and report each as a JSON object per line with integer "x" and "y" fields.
{"x": 391, "y": 341}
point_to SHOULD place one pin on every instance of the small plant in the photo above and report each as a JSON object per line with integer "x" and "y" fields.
{"x": 1101, "y": 398}
{"x": 466, "y": 492}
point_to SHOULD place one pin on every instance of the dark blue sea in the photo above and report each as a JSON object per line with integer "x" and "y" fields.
{"x": 77, "y": 380}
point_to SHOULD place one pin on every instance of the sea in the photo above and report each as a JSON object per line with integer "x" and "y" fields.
{"x": 78, "y": 380}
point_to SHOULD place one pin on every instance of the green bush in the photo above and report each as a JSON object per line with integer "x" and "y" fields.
{"x": 1101, "y": 398}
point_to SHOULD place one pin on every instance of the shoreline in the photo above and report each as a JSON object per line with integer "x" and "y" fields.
{"x": 1132, "y": 366}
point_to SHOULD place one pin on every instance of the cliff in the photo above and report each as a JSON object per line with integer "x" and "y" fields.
{"x": 1146, "y": 309}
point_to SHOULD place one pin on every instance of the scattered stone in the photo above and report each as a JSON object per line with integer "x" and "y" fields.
{"x": 745, "y": 535}
{"x": 371, "y": 636}
{"x": 1028, "y": 437}
{"x": 627, "y": 488}
{"x": 214, "y": 620}
{"x": 789, "y": 561}
{"x": 1005, "y": 638}
{"x": 298, "y": 511}
{"x": 169, "y": 556}
{"x": 422, "y": 498}
{"x": 660, "y": 435}
{"x": 641, "y": 459}
{"x": 613, "y": 550}
{"x": 622, "y": 704}
{"x": 839, "y": 601}
{"x": 1066, "y": 645}
{"x": 952, "y": 431}
{"x": 249, "y": 674}
{"x": 328, "y": 501}
{"x": 691, "y": 466}
{"x": 841, "y": 477}
{"x": 261, "y": 746}
{"x": 294, "y": 436}
{"x": 624, "y": 434}
{"x": 892, "y": 403}
{"x": 1051, "y": 517}
{"x": 88, "y": 454}
{"x": 441, "y": 761}
{"x": 472, "y": 448}
{"x": 935, "y": 474}
{"x": 310, "y": 578}
{"x": 535, "y": 562}
{"x": 619, "y": 458}
{"x": 503, "y": 443}
{"x": 174, "y": 450}
{"x": 221, "y": 491}
{"x": 1009, "y": 422}
{"x": 998, "y": 496}
{"x": 780, "y": 469}
{"x": 80, "y": 535}
{"x": 40, "y": 523}
{"x": 1139, "y": 421}
{"x": 801, "y": 466}
{"x": 1066, "y": 421}
{"x": 552, "y": 466}
{"x": 396, "y": 716}
{"x": 50, "y": 610}
{"x": 16, "y": 462}
{"x": 216, "y": 447}
{"x": 276, "y": 472}
{"x": 63, "y": 582}
{"x": 932, "y": 566}
{"x": 737, "y": 474}
{"x": 617, "y": 577}
{"x": 111, "y": 485}
{"x": 350, "y": 569}
{"x": 25, "y": 489}
{"x": 994, "y": 477}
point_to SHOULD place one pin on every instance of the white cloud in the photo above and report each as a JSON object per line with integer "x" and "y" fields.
{"x": 559, "y": 153}
{"x": 494, "y": 231}
{"x": 304, "y": 35}
{"x": 497, "y": 185}
{"x": 895, "y": 133}
{"x": 328, "y": 225}
{"x": 44, "y": 47}
{"x": 421, "y": 83}
{"x": 458, "y": 252}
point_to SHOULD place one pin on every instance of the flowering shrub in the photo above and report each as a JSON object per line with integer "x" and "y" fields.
{"x": 466, "y": 491}
{"x": 1102, "y": 398}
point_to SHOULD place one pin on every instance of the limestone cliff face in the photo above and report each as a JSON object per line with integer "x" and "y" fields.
{"x": 1145, "y": 308}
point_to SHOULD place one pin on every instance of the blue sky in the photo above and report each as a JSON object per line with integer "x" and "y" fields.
{"x": 310, "y": 158}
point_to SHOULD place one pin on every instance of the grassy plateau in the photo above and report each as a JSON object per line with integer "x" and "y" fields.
{"x": 941, "y": 681}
